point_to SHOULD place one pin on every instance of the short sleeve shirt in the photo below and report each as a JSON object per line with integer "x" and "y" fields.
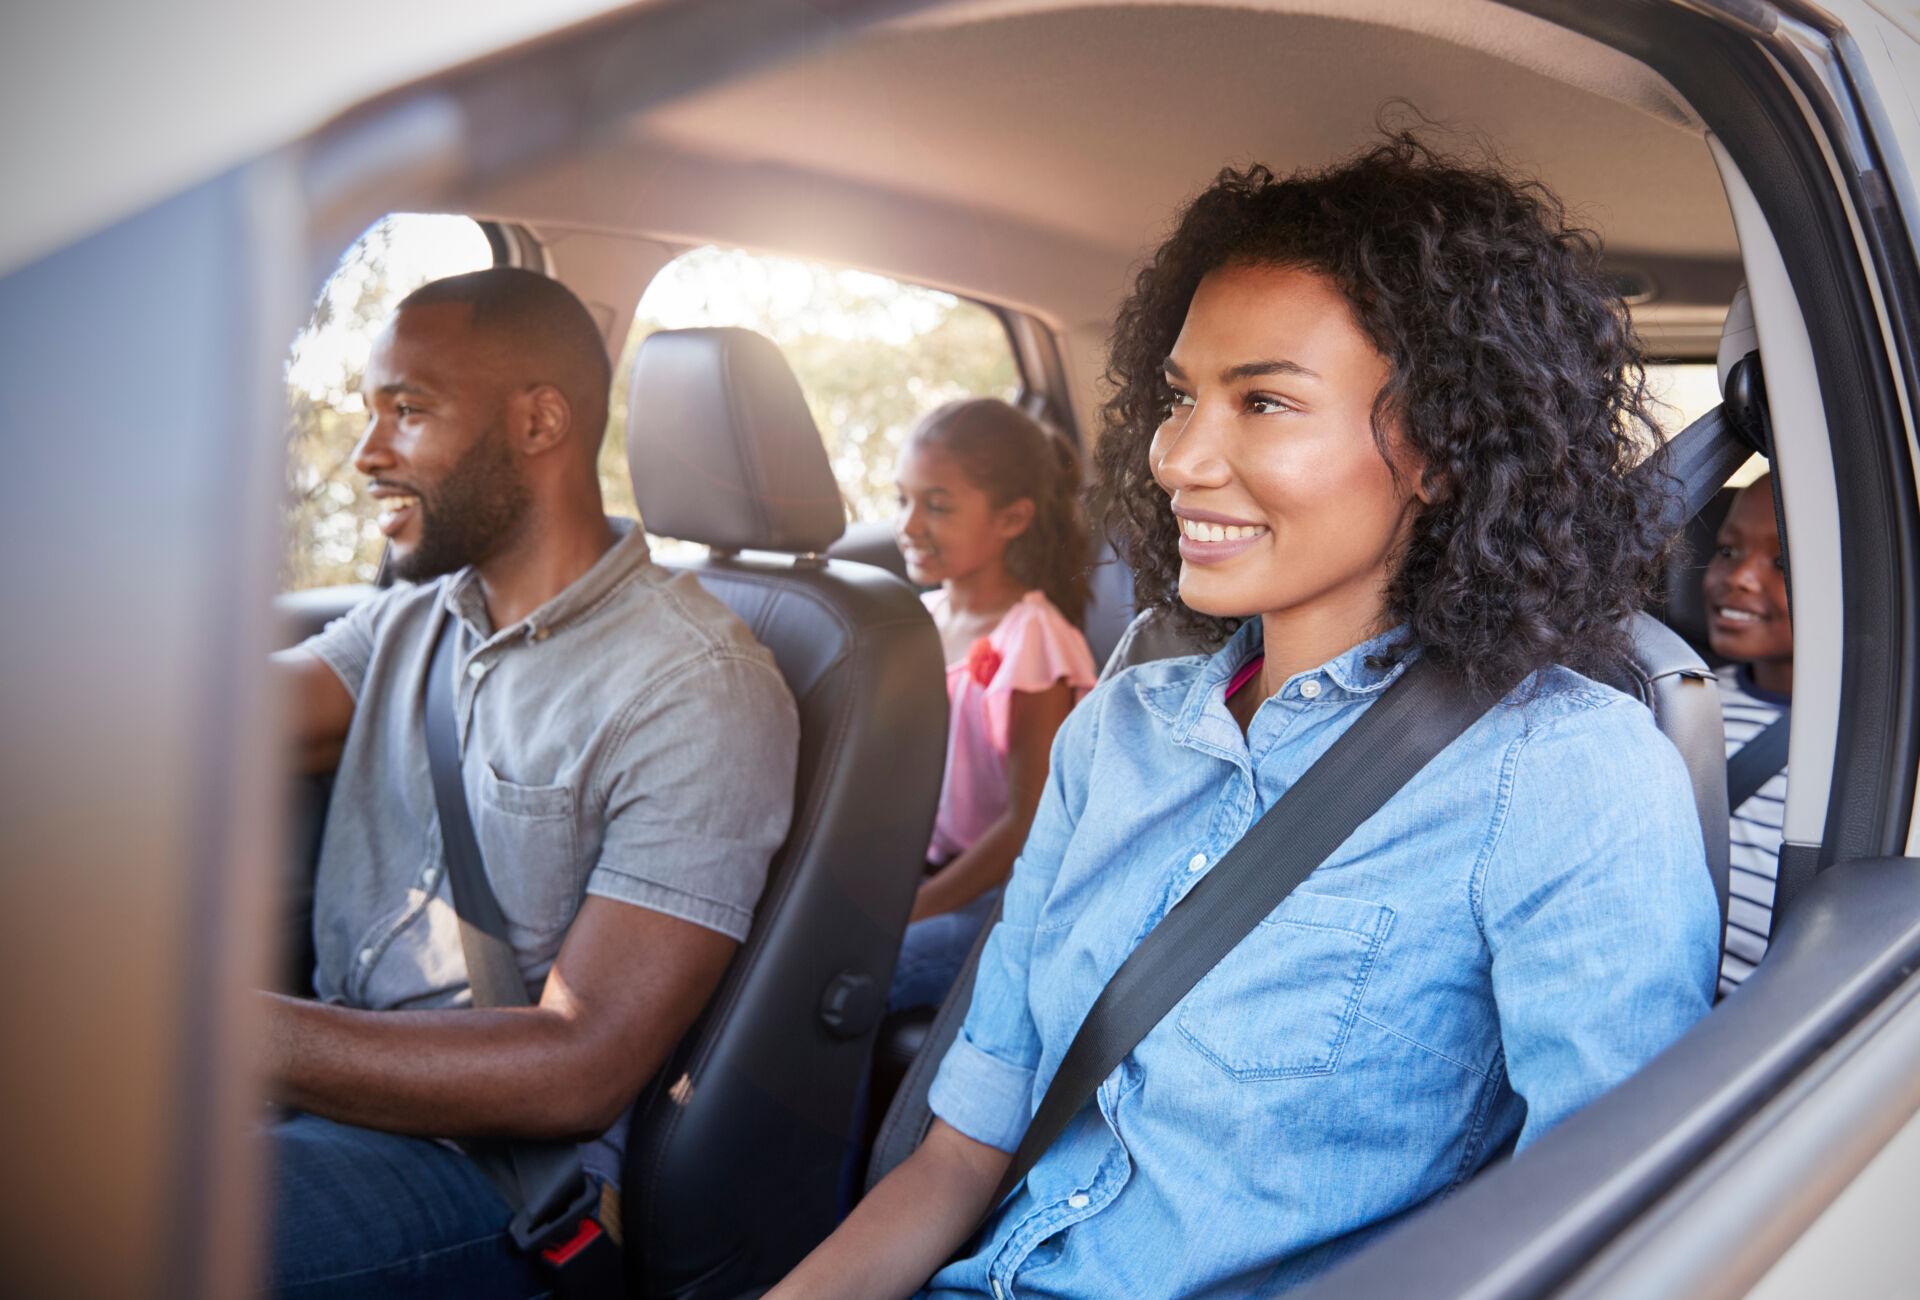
{"x": 1030, "y": 649}
{"x": 628, "y": 739}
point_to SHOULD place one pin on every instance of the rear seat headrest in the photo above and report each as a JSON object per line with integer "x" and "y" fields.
{"x": 722, "y": 448}
{"x": 1737, "y": 336}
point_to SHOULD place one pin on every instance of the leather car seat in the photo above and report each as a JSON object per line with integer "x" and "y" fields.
{"x": 1111, "y": 610}
{"x": 735, "y": 1158}
{"x": 870, "y": 543}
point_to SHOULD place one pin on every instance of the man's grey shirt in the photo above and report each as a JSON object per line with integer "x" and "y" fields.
{"x": 628, "y": 739}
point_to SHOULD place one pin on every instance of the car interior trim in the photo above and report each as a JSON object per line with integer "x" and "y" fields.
{"x": 1542, "y": 46}
{"x": 1828, "y": 1257}
{"x": 1869, "y": 250}
{"x": 1802, "y": 452}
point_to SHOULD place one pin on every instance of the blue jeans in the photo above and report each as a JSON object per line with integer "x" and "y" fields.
{"x": 932, "y": 952}
{"x": 363, "y": 1214}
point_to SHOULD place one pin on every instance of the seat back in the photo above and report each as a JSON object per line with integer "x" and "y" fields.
{"x": 1111, "y": 611}
{"x": 871, "y": 543}
{"x": 1662, "y": 672}
{"x": 736, "y": 1153}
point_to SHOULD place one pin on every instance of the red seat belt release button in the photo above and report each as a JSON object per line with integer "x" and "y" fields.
{"x": 585, "y": 1235}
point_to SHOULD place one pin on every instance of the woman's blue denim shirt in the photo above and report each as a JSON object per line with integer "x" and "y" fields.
{"x": 1520, "y": 928}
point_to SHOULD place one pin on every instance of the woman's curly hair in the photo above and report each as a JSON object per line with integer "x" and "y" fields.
{"x": 1515, "y": 379}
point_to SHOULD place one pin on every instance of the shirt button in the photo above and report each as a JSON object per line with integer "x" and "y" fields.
{"x": 430, "y": 875}
{"x": 366, "y": 956}
{"x": 1198, "y": 861}
{"x": 998, "y": 1294}
{"x": 476, "y": 670}
{"x": 1079, "y": 1200}
{"x": 1310, "y": 689}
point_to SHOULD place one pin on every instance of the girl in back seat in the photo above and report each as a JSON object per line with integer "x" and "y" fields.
{"x": 989, "y": 511}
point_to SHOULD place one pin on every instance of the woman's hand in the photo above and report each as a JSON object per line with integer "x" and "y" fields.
{"x": 907, "y": 1226}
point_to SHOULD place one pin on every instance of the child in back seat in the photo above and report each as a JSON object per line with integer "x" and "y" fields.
{"x": 989, "y": 511}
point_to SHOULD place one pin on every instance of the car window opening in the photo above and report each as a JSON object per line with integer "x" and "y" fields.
{"x": 872, "y": 355}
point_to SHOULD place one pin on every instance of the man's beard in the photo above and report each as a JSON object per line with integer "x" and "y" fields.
{"x": 471, "y": 515}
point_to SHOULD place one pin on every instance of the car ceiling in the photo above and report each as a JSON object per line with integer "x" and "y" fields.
{"x": 1028, "y": 151}
{"x": 1099, "y": 122}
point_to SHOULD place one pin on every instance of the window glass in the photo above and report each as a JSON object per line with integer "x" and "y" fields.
{"x": 331, "y": 538}
{"x": 872, "y": 355}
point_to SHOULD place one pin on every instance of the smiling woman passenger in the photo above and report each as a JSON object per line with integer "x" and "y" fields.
{"x": 1363, "y": 416}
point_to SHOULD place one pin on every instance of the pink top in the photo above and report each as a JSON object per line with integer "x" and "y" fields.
{"x": 1032, "y": 647}
{"x": 1245, "y": 675}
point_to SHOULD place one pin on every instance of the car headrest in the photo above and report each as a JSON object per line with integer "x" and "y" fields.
{"x": 1737, "y": 336}
{"x": 722, "y": 448}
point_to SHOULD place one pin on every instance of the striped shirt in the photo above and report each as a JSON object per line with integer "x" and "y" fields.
{"x": 1754, "y": 834}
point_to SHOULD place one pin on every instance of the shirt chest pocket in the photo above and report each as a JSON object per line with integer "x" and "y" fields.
{"x": 528, "y": 838}
{"x": 1282, "y": 1003}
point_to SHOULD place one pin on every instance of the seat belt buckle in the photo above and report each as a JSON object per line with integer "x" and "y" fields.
{"x": 562, "y": 1229}
{"x": 576, "y": 1251}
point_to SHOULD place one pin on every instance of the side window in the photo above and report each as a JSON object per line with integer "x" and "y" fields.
{"x": 331, "y": 539}
{"x": 872, "y": 355}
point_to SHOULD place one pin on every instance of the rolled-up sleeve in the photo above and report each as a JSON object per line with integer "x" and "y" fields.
{"x": 700, "y": 793}
{"x": 985, "y": 1084}
{"x": 346, "y": 644}
{"x": 1598, "y": 909}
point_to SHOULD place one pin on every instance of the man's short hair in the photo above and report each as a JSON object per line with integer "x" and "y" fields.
{"x": 540, "y": 317}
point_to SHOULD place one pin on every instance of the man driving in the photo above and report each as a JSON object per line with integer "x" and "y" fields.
{"x": 627, "y": 753}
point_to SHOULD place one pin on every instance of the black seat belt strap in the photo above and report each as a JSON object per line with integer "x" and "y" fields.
{"x": 552, "y": 1199}
{"x": 1757, "y": 762}
{"x": 1386, "y": 747}
{"x": 492, "y": 971}
{"x": 1701, "y": 457}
